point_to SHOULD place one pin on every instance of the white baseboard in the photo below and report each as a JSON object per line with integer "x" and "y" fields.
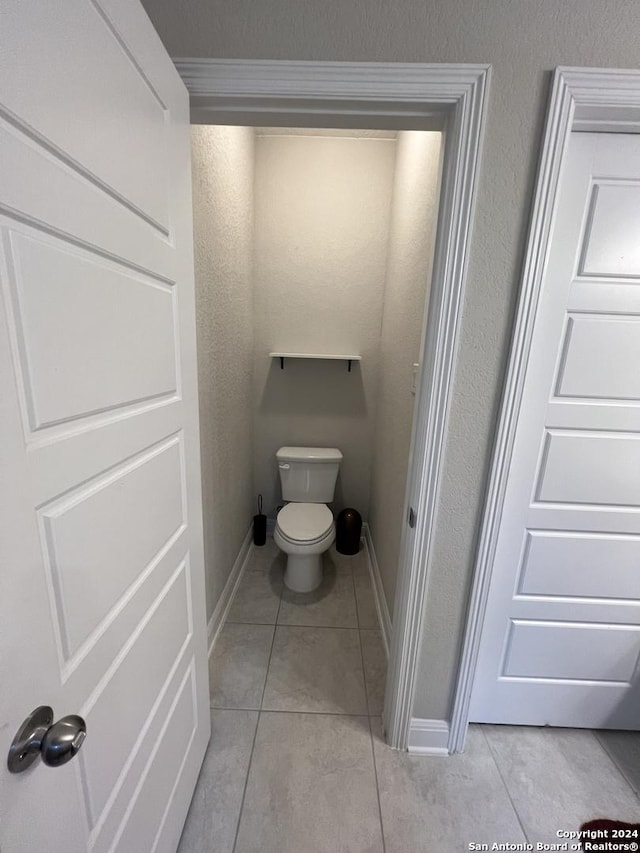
{"x": 226, "y": 597}
{"x": 428, "y": 737}
{"x": 378, "y": 591}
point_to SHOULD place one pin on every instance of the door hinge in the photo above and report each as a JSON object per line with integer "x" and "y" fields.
{"x": 414, "y": 377}
{"x": 412, "y": 517}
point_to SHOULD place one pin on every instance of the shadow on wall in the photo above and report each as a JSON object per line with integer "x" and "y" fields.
{"x": 314, "y": 388}
{"x": 314, "y": 404}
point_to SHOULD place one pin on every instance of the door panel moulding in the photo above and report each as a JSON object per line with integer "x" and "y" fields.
{"x": 582, "y": 99}
{"x": 449, "y": 98}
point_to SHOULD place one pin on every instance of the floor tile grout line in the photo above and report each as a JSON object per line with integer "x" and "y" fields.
{"x": 355, "y": 596}
{"x": 323, "y": 627}
{"x": 273, "y": 640}
{"x": 364, "y": 674}
{"x": 360, "y": 630}
{"x": 612, "y": 759}
{"x": 288, "y": 711}
{"x": 246, "y": 782}
{"x": 364, "y": 670}
{"x": 375, "y": 775}
{"x": 504, "y": 782}
{"x": 255, "y": 734}
{"x": 298, "y": 625}
{"x": 366, "y": 692}
{"x": 306, "y": 713}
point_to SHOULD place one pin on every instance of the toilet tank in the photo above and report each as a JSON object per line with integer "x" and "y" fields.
{"x": 308, "y": 474}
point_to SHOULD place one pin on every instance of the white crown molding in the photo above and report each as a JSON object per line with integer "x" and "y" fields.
{"x": 596, "y": 92}
{"x": 354, "y": 93}
{"x": 579, "y": 98}
{"x": 442, "y": 83}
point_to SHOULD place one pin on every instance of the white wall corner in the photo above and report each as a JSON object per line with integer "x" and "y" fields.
{"x": 226, "y": 597}
{"x": 428, "y": 737}
{"x": 382, "y": 608}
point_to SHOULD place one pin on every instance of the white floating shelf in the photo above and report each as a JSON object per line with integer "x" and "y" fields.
{"x": 324, "y": 356}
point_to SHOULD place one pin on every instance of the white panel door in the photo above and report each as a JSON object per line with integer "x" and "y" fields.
{"x": 101, "y": 586}
{"x": 561, "y": 637}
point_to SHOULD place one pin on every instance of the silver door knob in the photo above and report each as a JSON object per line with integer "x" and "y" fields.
{"x": 55, "y": 743}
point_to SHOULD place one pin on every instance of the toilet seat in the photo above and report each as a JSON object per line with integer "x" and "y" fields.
{"x": 304, "y": 522}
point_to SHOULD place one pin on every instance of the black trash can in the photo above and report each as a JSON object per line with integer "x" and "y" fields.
{"x": 348, "y": 530}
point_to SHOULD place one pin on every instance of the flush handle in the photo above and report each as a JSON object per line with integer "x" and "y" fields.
{"x": 284, "y": 467}
{"x": 55, "y": 743}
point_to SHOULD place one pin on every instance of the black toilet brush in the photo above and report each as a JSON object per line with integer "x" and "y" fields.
{"x": 259, "y": 525}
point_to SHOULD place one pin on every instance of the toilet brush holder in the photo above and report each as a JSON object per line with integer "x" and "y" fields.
{"x": 259, "y": 525}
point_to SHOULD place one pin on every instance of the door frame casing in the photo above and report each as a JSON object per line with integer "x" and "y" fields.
{"x": 448, "y": 97}
{"x": 582, "y": 99}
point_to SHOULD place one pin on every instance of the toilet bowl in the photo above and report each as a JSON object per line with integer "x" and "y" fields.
{"x": 304, "y": 531}
{"x": 304, "y": 527}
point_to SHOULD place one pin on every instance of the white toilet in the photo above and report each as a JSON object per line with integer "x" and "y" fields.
{"x": 305, "y": 527}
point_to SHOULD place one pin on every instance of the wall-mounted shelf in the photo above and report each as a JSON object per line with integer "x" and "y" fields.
{"x": 325, "y": 357}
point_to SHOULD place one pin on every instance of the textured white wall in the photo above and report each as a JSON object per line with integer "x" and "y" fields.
{"x": 523, "y": 42}
{"x": 322, "y": 209}
{"x": 414, "y": 210}
{"x": 222, "y": 167}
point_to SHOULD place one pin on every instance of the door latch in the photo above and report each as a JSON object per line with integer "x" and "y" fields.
{"x": 40, "y": 737}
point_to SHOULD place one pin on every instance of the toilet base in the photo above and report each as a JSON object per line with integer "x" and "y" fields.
{"x": 303, "y": 572}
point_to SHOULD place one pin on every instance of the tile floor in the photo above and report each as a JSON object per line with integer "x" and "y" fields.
{"x": 297, "y": 762}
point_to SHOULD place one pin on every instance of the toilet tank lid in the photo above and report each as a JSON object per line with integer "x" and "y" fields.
{"x": 309, "y": 454}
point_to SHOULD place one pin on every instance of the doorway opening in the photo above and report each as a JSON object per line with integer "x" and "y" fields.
{"x": 330, "y": 259}
{"x": 450, "y": 99}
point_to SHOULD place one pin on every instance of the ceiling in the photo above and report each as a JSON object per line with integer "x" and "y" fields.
{"x": 317, "y": 131}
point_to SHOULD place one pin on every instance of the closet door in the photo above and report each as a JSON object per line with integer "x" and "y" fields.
{"x": 561, "y": 637}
